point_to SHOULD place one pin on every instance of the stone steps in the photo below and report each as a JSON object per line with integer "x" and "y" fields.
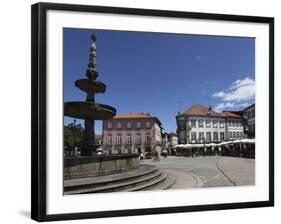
{"x": 162, "y": 182}
{"x": 144, "y": 178}
{"x": 163, "y": 185}
{"x": 105, "y": 180}
{"x": 119, "y": 186}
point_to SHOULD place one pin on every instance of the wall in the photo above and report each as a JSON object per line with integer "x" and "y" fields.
{"x": 99, "y": 165}
{"x": 204, "y": 129}
{"x": 15, "y": 111}
{"x": 153, "y": 131}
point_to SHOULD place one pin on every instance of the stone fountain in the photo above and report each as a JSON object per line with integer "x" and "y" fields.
{"x": 90, "y": 164}
{"x": 89, "y": 110}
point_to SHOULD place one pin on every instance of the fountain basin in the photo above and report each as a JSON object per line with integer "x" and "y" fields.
{"x": 90, "y": 86}
{"x": 88, "y": 110}
{"x": 91, "y": 166}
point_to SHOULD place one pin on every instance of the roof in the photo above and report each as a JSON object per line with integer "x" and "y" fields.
{"x": 248, "y": 107}
{"x": 231, "y": 114}
{"x": 199, "y": 110}
{"x": 137, "y": 115}
{"x": 133, "y": 115}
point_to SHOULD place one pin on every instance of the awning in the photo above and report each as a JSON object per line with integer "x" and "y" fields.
{"x": 238, "y": 141}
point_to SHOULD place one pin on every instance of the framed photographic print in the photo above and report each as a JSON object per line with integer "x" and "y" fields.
{"x": 139, "y": 111}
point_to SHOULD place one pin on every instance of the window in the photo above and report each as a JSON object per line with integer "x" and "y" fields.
{"x": 193, "y": 136}
{"x": 208, "y": 123}
{"x": 230, "y": 134}
{"x": 128, "y": 124}
{"x": 109, "y": 139}
{"x": 147, "y": 124}
{"x": 182, "y": 137}
{"x": 234, "y": 134}
{"x": 138, "y": 124}
{"x": 222, "y": 136}
{"x": 208, "y": 136}
{"x": 109, "y": 124}
{"x": 201, "y": 136}
{"x": 181, "y": 124}
{"x": 250, "y": 128}
{"x": 201, "y": 124}
{"x": 118, "y": 139}
{"x": 215, "y": 124}
{"x": 138, "y": 138}
{"x": 253, "y": 113}
{"x": 128, "y": 139}
{"x": 249, "y": 115}
{"x": 215, "y": 136}
{"x": 221, "y": 124}
{"x": 229, "y": 123}
{"x": 193, "y": 123}
{"x": 237, "y": 134}
{"x": 147, "y": 138}
{"x": 119, "y": 125}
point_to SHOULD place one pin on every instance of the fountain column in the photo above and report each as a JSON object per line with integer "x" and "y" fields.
{"x": 89, "y": 146}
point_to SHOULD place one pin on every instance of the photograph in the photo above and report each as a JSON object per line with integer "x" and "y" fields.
{"x": 147, "y": 111}
{"x": 154, "y": 111}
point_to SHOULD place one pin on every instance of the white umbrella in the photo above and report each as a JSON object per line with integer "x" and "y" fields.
{"x": 249, "y": 141}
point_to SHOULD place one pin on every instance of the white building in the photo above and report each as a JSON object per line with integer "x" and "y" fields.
{"x": 173, "y": 140}
{"x": 234, "y": 126}
{"x": 172, "y": 143}
{"x": 249, "y": 115}
{"x": 200, "y": 124}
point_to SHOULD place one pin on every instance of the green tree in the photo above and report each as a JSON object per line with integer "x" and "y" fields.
{"x": 73, "y": 135}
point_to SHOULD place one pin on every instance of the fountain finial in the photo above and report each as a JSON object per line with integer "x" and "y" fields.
{"x": 93, "y": 37}
{"x": 92, "y": 70}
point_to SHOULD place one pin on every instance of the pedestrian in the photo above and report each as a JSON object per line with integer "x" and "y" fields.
{"x": 141, "y": 157}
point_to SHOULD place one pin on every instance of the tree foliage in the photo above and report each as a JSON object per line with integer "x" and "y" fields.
{"x": 73, "y": 135}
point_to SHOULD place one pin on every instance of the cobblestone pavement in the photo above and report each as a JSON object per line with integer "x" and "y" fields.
{"x": 209, "y": 171}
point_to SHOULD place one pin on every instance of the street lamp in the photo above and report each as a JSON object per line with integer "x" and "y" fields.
{"x": 74, "y": 126}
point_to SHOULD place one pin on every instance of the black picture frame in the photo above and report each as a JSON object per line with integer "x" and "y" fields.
{"x": 39, "y": 122}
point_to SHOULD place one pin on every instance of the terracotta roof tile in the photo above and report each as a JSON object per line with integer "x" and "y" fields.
{"x": 133, "y": 115}
{"x": 230, "y": 114}
{"x": 200, "y": 110}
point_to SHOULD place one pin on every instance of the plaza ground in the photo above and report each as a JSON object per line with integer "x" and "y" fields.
{"x": 209, "y": 171}
{"x": 169, "y": 173}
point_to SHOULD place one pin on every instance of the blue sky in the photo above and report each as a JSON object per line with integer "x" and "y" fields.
{"x": 162, "y": 73}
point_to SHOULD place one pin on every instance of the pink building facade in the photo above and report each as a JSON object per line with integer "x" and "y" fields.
{"x": 132, "y": 133}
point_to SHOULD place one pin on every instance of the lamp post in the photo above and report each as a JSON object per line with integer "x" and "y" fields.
{"x": 204, "y": 147}
{"x": 74, "y": 126}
